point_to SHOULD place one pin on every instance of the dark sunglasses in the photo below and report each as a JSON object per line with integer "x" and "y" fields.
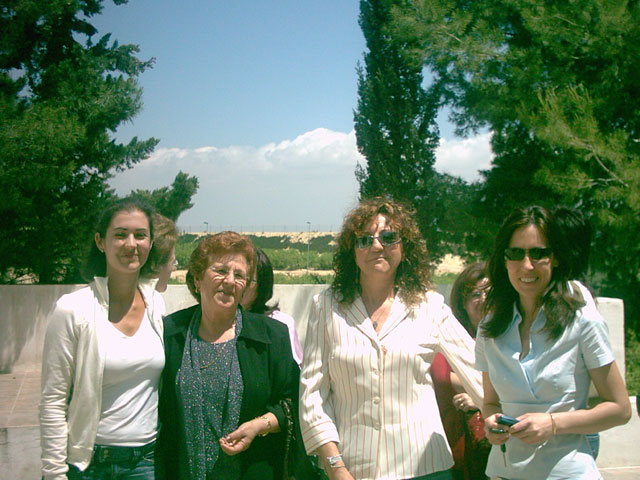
{"x": 386, "y": 238}
{"x": 535, "y": 254}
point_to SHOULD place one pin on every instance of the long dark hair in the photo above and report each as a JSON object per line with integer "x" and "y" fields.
{"x": 264, "y": 282}
{"x": 412, "y": 277}
{"x": 96, "y": 260}
{"x": 560, "y": 302}
{"x": 573, "y": 232}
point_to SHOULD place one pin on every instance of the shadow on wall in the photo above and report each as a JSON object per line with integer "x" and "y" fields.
{"x": 24, "y": 310}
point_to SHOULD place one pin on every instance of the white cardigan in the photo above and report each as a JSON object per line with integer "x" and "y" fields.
{"x": 372, "y": 394}
{"x": 72, "y": 369}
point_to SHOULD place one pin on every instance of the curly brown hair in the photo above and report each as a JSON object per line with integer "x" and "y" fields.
{"x": 212, "y": 246}
{"x": 412, "y": 276}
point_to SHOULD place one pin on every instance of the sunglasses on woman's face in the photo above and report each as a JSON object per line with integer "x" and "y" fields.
{"x": 386, "y": 238}
{"x": 535, "y": 254}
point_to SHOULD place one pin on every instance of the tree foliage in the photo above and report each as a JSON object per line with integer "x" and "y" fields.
{"x": 557, "y": 84}
{"x": 397, "y": 133}
{"x": 62, "y": 95}
{"x": 171, "y": 202}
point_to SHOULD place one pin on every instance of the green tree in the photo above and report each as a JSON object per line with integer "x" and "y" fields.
{"x": 62, "y": 95}
{"x": 560, "y": 77}
{"x": 397, "y": 133}
{"x": 171, "y": 202}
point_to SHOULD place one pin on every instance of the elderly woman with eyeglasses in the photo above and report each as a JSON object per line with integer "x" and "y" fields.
{"x": 540, "y": 346}
{"x": 367, "y": 403}
{"x": 230, "y": 382}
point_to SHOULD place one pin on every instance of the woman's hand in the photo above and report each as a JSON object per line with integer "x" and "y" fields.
{"x": 490, "y": 423}
{"x": 533, "y": 428}
{"x": 240, "y": 439}
{"x": 463, "y": 401}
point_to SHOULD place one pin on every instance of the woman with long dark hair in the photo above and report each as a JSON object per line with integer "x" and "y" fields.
{"x": 538, "y": 349}
{"x": 102, "y": 360}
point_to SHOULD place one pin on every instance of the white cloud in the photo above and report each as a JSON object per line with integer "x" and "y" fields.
{"x": 310, "y": 178}
{"x": 464, "y": 157}
{"x": 281, "y": 185}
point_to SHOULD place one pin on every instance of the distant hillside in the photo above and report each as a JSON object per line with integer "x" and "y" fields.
{"x": 286, "y": 250}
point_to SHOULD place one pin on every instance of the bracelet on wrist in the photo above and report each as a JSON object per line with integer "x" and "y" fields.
{"x": 335, "y": 460}
{"x": 554, "y": 428}
{"x": 268, "y": 422}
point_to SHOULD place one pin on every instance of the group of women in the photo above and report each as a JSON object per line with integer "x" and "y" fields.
{"x": 216, "y": 390}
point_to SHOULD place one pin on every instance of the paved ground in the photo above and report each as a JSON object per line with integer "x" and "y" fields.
{"x": 20, "y": 442}
{"x": 19, "y": 432}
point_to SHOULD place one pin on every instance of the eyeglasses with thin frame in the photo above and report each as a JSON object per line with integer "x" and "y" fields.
{"x": 386, "y": 239}
{"x": 535, "y": 254}
{"x": 477, "y": 294}
{"x": 239, "y": 277}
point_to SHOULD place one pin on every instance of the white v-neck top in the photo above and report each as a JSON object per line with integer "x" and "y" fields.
{"x": 372, "y": 394}
{"x": 132, "y": 368}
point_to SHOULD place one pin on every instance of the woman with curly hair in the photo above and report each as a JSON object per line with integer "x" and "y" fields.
{"x": 539, "y": 347}
{"x": 367, "y": 404}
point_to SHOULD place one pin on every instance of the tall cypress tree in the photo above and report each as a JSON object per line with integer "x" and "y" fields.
{"x": 396, "y": 129}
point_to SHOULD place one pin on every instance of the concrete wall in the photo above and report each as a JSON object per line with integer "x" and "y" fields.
{"x": 24, "y": 310}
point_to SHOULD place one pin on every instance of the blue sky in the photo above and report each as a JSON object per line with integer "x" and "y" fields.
{"x": 256, "y": 99}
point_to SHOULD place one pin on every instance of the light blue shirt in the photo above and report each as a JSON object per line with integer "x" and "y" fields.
{"x": 553, "y": 377}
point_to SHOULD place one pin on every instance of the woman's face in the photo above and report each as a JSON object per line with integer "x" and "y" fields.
{"x": 127, "y": 242}
{"x": 378, "y": 260}
{"x": 474, "y": 301}
{"x": 222, "y": 284}
{"x": 164, "y": 272}
{"x": 529, "y": 277}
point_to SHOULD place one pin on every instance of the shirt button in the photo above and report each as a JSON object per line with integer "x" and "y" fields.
{"x": 376, "y": 400}
{"x": 376, "y": 426}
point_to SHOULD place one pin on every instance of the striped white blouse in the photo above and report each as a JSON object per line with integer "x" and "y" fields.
{"x": 373, "y": 394}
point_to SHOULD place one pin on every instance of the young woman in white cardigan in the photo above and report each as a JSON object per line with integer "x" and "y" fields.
{"x": 102, "y": 359}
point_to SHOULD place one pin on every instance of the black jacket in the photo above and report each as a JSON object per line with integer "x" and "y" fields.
{"x": 269, "y": 374}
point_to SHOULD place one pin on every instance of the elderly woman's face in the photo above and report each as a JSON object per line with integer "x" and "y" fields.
{"x": 223, "y": 283}
{"x": 383, "y": 256}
